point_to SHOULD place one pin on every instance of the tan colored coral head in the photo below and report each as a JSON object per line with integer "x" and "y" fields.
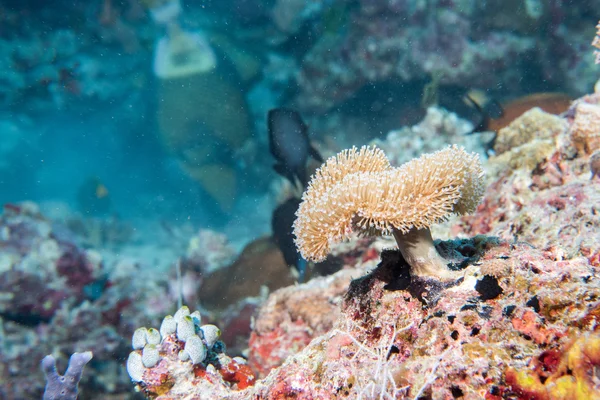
{"x": 359, "y": 191}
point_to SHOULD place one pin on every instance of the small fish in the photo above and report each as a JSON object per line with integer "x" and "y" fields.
{"x": 487, "y": 108}
{"x": 93, "y": 197}
{"x": 101, "y": 191}
{"x": 281, "y": 226}
{"x": 289, "y": 144}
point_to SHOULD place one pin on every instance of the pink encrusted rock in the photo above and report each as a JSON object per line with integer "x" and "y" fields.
{"x": 555, "y": 205}
{"x": 37, "y": 261}
{"x": 387, "y": 341}
{"x": 293, "y": 316}
{"x": 463, "y": 341}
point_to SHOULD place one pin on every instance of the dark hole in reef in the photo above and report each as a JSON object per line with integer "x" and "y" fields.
{"x": 454, "y": 335}
{"x": 475, "y": 331}
{"x": 451, "y": 318}
{"x": 467, "y": 307}
{"x": 460, "y": 265}
{"x": 393, "y": 350}
{"x": 394, "y": 263}
{"x": 534, "y": 303}
{"x": 467, "y": 250}
{"x": 486, "y": 312}
{"x": 394, "y": 270}
{"x": 494, "y": 390}
{"x": 456, "y": 392}
{"x": 508, "y": 310}
{"x": 29, "y": 320}
{"x": 527, "y": 337}
{"x": 488, "y": 288}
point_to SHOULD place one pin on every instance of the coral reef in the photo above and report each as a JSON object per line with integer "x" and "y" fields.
{"x": 209, "y": 251}
{"x": 522, "y": 323}
{"x": 54, "y": 64}
{"x": 440, "y": 37}
{"x": 518, "y": 320}
{"x": 438, "y": 129}
{"x": 585, "y": 129}
{"x": 543, "y": 197}
{"x": 33, "y": 259}
{"x": 185, "y": 360}
{"x": 291, "y": 317}
{"x": 58, "y": 298}
{"x": 534, "y": 124}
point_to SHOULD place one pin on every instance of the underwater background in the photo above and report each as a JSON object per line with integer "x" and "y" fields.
{"x": 153, "y": 155}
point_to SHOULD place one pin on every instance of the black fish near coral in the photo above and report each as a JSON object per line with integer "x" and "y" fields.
{"x": 289, "y": 144}
{"x": 281, "y": 226}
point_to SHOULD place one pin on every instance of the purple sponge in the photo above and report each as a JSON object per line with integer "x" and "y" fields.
{"x": 64, "y": 387}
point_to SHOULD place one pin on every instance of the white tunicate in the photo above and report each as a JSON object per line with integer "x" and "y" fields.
{"x": 150, "y": 356}
{"x": 183, "y": 355}
{"x": 135, "y": 366}
{"x": 211, "y": 334}
{"x": 182, "y": 312}
{"x": 196, "y": 349}
{"x": 168, "y": 326}
{"x": 210, "y": 369}
{"x": 153, "y": 336}
{"x": 185, "y": 328}
{"x": 196, "y": 317}
{"x": 139, "y": 339}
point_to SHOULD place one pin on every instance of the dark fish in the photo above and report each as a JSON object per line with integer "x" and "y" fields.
{"x": 289, "y": 144}
{"x": 281, "y": 224}
{"x": 487, "y": 109}
{"x": 471, "y": 104}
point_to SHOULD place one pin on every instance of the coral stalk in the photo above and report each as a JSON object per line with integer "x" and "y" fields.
{"x": 418, "y": 250}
